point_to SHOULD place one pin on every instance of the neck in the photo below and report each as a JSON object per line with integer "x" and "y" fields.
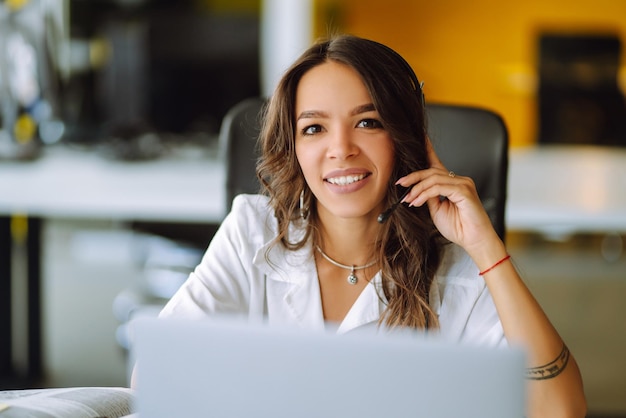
{"x": 348, "y": 240}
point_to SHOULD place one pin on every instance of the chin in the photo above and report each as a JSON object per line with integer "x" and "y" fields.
{"x": 355, "y": 213}
{"x": 352, "y": 208}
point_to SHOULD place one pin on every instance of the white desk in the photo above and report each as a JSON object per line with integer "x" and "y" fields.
{"x": 563, "y": 190}
{"x": 187, "y": 186}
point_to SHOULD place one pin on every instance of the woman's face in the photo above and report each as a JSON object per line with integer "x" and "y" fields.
{"x": 345, "y": 153}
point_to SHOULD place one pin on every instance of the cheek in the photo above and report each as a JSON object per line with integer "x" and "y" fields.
{"x": 385, "y": 156}
{"x": 306, "y": 160}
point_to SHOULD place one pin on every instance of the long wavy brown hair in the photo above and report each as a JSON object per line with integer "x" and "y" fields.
{"x": 408, "y": 244}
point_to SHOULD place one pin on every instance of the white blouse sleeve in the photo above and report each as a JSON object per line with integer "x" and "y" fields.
{"x": 225, "y": 278}
{"x": 467, "y": 313}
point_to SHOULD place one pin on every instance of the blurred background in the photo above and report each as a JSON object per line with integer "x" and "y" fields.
{"x": 141, "y": 80}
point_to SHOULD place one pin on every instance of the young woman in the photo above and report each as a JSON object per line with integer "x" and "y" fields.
{"x": 343, "y": 137}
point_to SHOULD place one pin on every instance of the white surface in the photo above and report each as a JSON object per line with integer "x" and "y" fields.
{"x": 80, "y": 184}
{"x": 235, "y": 369}
{"x": 560, "y": 190}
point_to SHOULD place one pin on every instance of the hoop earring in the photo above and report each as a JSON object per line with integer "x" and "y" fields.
{"x": 304, "y": 210}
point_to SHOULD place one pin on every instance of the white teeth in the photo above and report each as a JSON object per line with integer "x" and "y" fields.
{"x": 343, "y": 180}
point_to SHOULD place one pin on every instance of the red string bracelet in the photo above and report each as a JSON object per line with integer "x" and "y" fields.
{"x": 495, "y": 265}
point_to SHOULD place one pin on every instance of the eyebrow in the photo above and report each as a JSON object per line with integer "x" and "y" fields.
{"x": 308, "y": 114}
{"x": 369, "y": 107}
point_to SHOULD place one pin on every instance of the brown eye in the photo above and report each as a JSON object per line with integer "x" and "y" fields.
{"x": 370, "y": 124}
{"x": 312, "y": 130}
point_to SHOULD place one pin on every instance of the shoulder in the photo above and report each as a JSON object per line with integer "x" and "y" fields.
{"x": 251, "y": 204}
{"x": 249, "y": 225}
{"x": 253, "y": 213}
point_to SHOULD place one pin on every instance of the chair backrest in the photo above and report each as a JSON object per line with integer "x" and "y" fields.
{"x": 474, "y": 142}
{"x": 238, "y": 147}
{"x": 470, "y": 141}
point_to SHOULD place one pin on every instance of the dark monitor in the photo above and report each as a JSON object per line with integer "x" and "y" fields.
{"x": 174, "y": 68}
{"x": 580, "y": 101}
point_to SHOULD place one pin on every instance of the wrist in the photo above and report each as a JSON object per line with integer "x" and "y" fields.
{"x": 495, "y": 265}
{"x": 487, "y": 254}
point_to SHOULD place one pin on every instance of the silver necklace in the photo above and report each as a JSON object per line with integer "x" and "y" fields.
{"x": 352, "y": 279}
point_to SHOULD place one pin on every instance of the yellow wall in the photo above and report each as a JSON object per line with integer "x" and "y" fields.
{"x": 480, "y": 52}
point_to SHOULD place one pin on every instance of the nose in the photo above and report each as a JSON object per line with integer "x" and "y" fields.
{"x": 341, "y": 144}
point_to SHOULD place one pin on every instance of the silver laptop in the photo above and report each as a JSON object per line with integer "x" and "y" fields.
{"x": 222, "y": 368}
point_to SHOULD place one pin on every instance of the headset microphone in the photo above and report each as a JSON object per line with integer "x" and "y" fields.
{"x": 385, "y": 215}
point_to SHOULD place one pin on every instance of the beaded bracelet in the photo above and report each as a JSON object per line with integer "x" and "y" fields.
{"x": 495, "y": 265}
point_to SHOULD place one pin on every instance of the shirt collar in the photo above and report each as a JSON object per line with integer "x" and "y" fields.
{"x": 297, "y": 267}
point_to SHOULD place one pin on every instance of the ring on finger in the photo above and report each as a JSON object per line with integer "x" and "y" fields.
{"x": 452, "y": 174}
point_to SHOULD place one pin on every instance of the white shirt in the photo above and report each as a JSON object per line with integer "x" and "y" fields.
{"x": 243, "y": 273}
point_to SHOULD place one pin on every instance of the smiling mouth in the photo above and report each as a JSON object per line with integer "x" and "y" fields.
{"x": 345, "y": 180}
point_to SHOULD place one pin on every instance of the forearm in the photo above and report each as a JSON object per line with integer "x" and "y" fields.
{"x": 559, "y": 392}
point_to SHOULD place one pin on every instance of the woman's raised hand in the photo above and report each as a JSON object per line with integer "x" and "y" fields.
{"x": 453, "y": 203}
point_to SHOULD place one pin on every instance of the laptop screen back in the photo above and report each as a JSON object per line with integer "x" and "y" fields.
{"x": 227, "y": 369}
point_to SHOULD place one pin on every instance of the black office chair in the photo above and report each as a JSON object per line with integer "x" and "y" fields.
{"x": 470, "y": 141}
{"x": 238, "y": 147}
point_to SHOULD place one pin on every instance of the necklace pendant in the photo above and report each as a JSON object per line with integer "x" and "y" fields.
{"x": 352, "y": 279}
